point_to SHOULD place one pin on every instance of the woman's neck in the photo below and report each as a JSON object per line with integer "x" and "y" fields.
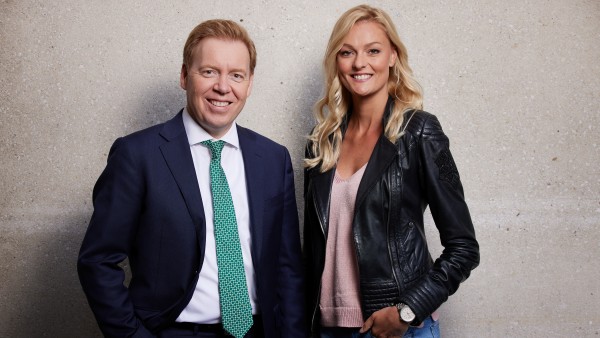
{"x": 367, "y": 112}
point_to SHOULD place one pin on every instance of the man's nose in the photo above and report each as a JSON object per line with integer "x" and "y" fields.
{"x": 222, "y": 85}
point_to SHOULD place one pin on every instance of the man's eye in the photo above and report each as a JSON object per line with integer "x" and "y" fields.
{"x": 208, "y": 72}
{"x": 237, "y": 77}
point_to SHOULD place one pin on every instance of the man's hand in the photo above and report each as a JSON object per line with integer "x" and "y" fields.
{"x": 385, "y": 323}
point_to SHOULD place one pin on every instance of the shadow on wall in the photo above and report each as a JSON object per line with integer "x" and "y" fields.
{"x": 157, "y": 105}
{"x": 306, "y": 95}
{"x": 50, "y": 300}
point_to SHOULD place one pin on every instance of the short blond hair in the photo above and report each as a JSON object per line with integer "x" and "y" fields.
{"x": 220, "y": 29}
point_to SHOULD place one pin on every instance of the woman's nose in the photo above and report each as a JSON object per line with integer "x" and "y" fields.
{"x": 360, "y": 61}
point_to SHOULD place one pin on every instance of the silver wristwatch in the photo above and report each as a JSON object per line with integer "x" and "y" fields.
{"x": 405, "y": 312}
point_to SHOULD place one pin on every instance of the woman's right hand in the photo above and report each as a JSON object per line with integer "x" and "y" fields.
{"x": 385, "y": 323}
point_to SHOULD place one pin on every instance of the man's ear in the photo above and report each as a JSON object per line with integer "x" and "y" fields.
{"x": 250, "y": 85}
{"x": 183, "y": 77}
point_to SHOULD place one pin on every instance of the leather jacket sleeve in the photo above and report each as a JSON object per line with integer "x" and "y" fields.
{"x": 444, "y": 193}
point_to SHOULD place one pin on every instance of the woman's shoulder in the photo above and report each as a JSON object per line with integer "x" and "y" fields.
{"x": 422, "y": 123}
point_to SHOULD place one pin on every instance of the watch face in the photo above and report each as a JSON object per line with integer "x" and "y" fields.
{"x": 406, "y": 314}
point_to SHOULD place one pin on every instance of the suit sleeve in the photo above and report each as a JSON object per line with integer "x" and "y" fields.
{"x": 291, "y": 281}
{"x": 445, "y": 196}
{"x": 117, "y": 204}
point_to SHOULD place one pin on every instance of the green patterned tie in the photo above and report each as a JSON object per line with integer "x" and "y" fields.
{"x": 236, "y": 310}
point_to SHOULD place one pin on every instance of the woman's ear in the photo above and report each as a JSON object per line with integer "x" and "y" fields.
{"x": 393, "y": 58}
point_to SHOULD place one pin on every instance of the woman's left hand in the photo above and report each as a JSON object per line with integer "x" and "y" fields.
{"x": 385, "y": 323}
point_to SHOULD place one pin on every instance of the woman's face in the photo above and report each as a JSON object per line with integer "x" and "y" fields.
{"x": 364, "y": 60}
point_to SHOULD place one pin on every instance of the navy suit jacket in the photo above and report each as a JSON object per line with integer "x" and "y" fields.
{"x": 148, "y": 207}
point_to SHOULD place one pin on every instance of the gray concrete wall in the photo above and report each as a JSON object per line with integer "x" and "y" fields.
{"x": 515, "y": 83}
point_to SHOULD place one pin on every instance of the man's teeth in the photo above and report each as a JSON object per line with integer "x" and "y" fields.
{"x": 220, "y": 103}
{"x": 362, "y": 76}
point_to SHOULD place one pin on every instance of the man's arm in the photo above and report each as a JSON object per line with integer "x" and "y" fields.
{"x": 291, "y": 285}
{"x": 117, "y": 202}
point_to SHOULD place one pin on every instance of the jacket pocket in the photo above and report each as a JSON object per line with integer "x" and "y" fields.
{"x": 413, "y": 252}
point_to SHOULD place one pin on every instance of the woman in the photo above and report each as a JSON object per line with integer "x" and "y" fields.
{"x": 374, "y": 162}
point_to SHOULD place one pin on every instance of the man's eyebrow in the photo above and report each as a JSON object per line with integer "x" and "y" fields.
{"x": 233, "y": 70}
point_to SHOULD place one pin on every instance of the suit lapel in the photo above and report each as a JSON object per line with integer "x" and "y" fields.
{"x": 383, "y": 154}
{"x": 177, "y": 154}
{"x": 321, "y": 184}
{"x": 255, "y": 180}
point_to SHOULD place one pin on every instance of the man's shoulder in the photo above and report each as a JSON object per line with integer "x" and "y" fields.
{"x": 143, "y": 135}
{"x": 148, "y": 140}
{"x": 259, "y": 139}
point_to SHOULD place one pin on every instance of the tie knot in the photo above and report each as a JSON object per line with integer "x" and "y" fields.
{"x": 215, "y": 148}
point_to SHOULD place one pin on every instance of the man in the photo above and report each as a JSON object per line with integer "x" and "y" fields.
{"x": 205, "y": 211}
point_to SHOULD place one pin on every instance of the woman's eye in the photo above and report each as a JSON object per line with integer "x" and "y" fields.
{"x": 345, "y": 53}
{"x": 374, "y": 51}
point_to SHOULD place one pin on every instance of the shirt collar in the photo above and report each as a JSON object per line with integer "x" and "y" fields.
{"x": 196, "y": 134}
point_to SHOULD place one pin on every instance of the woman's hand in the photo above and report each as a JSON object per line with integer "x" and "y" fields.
{"x": 385, "y": 323}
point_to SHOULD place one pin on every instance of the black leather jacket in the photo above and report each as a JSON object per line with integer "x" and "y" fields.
{"x": 394, "y": 262}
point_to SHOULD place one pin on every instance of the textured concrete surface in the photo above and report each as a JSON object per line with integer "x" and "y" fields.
{"x": 516, "y": 85}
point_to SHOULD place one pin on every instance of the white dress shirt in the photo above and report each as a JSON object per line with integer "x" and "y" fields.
{"x": 204, "y": 307}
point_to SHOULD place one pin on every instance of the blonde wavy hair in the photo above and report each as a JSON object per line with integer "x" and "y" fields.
{"x": 331, "y": 109}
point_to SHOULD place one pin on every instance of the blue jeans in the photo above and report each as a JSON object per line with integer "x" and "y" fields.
{"x": 430, "y": 329}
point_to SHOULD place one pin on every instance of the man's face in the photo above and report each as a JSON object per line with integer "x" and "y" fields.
{"x": 217, "y": 82}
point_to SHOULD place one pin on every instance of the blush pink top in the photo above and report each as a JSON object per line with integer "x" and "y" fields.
{"x": 340, "y": 294}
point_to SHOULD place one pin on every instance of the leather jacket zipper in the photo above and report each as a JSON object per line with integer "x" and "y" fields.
{"x": 390, "y": 256}
{"x": 390, "y": 249}
{"x": 312, "y": 321}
